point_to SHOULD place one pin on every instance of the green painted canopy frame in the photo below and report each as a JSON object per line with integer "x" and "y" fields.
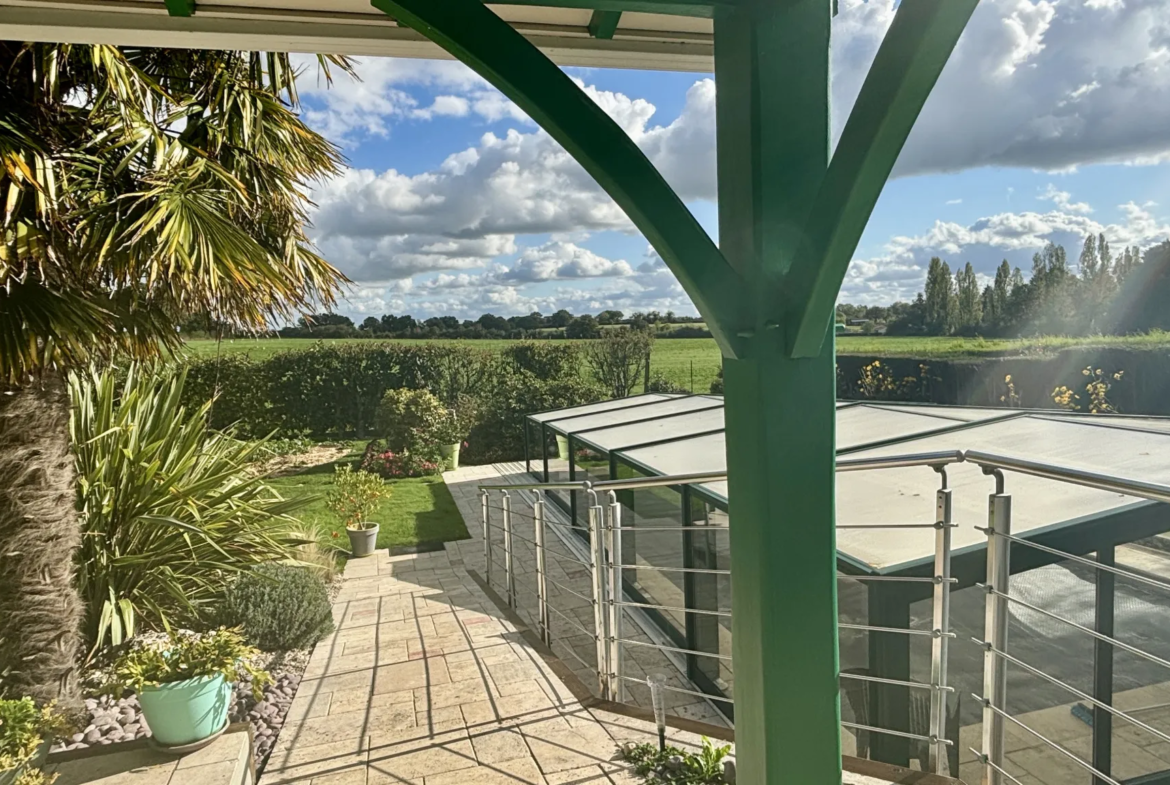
{"x": 790, "y": 220}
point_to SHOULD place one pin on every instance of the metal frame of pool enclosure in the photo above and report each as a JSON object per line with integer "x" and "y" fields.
{"x": 622, "y": 444}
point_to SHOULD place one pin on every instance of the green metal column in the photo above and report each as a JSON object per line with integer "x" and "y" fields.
{"x": 772, "y": 75}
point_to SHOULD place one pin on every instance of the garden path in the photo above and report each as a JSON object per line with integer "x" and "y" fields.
{"x": 427, "y": 682}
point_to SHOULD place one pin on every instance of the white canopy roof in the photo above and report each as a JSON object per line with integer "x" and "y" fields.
{"x": 668, "y": 438}
{"x": 354, "y": 27}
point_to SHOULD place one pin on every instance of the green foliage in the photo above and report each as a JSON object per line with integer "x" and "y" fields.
{"x": 660, "y": 384}
{"x": 619, "y": 359}
{"x": 279, "y": 607}
{"x": 24, "y": 727}
{"x": 143, "y": 185}
{"x": 186, "y": 656}
{"x": 355, "y": 495}
{"x": 717, "y": 385}
{"x": 508, "y": 399}
{"x": 673, "y": 765}
{"x": 546, "y": 359}
{"x": 411, "y": 421}
{"x": 169, "y": 511}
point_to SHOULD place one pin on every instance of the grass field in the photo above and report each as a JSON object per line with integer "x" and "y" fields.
{"x": 418, "y": 509}
{"x": 693, "y": 362}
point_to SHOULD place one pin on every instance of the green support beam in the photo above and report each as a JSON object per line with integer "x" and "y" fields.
{"x": 700, "y": 8}
{"x": 772, "y": 115}
{"x": 604, "y": 23}
{"x": 492, "y": 48}
{"x": 908, "y": 63}
{"x": 788, "y": 222}
{"x": 180, "y": 7}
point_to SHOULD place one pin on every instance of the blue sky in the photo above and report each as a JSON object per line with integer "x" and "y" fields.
{"x": 1050, "y": 121}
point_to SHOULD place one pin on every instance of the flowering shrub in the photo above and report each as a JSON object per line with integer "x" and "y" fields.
{"x": 1097, "y": 388}
{"x": 379, "y": 459}
{"x": 411, "y": 420}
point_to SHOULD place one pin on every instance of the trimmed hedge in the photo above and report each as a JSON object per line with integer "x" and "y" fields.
{"x": 333, "y": 391}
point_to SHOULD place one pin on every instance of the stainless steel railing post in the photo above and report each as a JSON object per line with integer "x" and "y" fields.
{"x": 487, "y": 538}
{"x": 541, "y": 582}
{"x": 614, "y": 543}
{"x": 597, "y": 572}
{"x": 939, "y": 650}
{"x": 995, "y": 633}
{"x": 509, "y": 567}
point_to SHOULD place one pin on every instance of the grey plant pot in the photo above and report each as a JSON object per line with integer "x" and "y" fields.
{"x": 362, "y": 542}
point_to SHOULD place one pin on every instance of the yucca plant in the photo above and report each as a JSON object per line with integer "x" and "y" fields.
{"x": 169, "y": 511}
{"x": 138, "y": 187}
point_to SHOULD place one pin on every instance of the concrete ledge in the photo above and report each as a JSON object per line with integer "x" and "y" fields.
{"x": 226, "y": 761}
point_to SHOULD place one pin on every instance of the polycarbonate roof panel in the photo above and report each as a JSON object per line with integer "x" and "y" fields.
{"x": 670, "y": 428}
{"x": 601, "y": 406}
{"x": 686, "y": 456}
{"x": 857, "y": 426}
{"x": 907, "y": 495}
{"x": 585, "y": 425}
{"x": 965, "y": 413}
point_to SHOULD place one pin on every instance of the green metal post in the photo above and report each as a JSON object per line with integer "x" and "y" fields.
{"x": 772, "y": 74}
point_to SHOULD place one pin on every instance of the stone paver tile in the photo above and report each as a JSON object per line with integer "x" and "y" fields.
{"x": 461, "y": 670}
{"x": 439, "y": 695}
{"x": 350, "y": 680}
{"x": 444, "y": 717}
{"x": 346, "y": 731}
{"x": 348, "y": 777}
{"x": 494, "y": 746}
{"x": 558, "y": 750}
{"x": 338, "y": 663}
{"x": 521, "y": 771}
{"x": 411, "y": 763}
{"x": 353, "y": 700}
{"x": 590, "y": 775}
{"x": 505, "y": 672}
{"x": 301, "y": 763}
{"x": 410, "y": 675}
{"x": 207, "y": 774}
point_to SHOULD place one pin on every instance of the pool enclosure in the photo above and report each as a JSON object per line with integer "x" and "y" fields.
{"x": 886, "y": 548}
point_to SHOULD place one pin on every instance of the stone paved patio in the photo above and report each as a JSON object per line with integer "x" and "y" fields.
{"x": 426, "y": 682}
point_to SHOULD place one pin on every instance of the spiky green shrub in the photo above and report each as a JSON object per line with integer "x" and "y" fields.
{"x": 279, "y": 607}
{"x": 169, "y": 511}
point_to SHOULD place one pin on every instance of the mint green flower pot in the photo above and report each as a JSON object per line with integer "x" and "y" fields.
{"x": 184, "y": 712}
{"x": 450, "y": 454}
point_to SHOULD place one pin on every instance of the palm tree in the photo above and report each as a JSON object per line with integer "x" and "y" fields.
{"x": 137, "y": 187}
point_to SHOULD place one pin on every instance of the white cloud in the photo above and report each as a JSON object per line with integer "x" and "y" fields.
{"x": 1063, "y": 200}
{"x": 559, "y": 260}
{"x": 899, "y": 272}
{"x": 1039, "y": 84}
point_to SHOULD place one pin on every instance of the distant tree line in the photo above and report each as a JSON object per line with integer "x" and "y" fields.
{"x": 1104, "y": 294}
{"x": 561, "y": 324}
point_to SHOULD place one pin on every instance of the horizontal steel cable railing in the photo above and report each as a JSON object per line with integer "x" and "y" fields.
{"x": 994, "y": 643}
{"x": 609, "y": 601}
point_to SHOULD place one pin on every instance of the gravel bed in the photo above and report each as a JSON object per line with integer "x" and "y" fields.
{"x": 113, "y": 720}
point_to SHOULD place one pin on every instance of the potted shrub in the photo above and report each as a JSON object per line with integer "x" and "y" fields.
{"x": 184, "y": 684}
{"x": 453, "y": 428}
{"x": 352, "y": 499}
{"x": 26, "y": 732}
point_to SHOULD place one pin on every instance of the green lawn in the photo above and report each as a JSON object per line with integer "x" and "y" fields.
{"x": 418, "y": 509}
{"x": 692, "y": 363}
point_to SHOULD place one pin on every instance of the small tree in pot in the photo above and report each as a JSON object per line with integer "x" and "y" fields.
{"x": 352, "y": 499}
{"x": 453, "y": 428}
{"x": 184, "y": 684}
